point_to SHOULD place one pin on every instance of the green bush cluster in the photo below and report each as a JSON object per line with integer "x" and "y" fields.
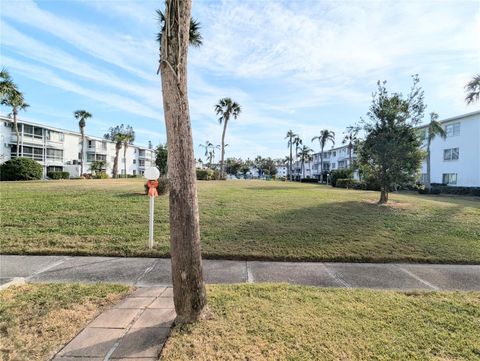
{"x": 162, "y": 187}
{"x": 346, "y": 173}
{"x": 347, "y": 183}
{"x": 101, "y": 175}
{"x": 208, "y": 174}
{"x": 58, "y": 175}
{"x": 464, "y": 191}
{"x": 19, "y": 169}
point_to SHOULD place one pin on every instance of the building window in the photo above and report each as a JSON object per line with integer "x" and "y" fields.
{"x": 134, "y": 161}
{"x": 334, "y": 154}
{"x": 450, "y": 154}
{"x": 104, "y": 145}
{"x": 449, "y": 178}
{"x": 134, "y": 172}
{"x": 452, "y": 129}
{"x": 55, "y": 154}
{"x": 90, "y": 157}
{"x": 333, "y": 165}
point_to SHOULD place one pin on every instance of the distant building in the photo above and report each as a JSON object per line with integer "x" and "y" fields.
{"x": 455, "y": 161}
{"x": 59, "y": 150}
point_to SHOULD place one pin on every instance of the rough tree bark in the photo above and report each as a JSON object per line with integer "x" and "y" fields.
{"x": 115, "y": 161}
{"x": 187, "y": 274}
{"x": 82, "y": 151}
{"x": 15, "y": 123}
{"x": 222, "y": 167}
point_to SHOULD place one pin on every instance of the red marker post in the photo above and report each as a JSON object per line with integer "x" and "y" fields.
{"x": 152, "y": 175}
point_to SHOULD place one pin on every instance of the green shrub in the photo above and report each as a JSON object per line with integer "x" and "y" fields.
{"x": 205, "y": 174}
{"x": 20, "y": 169}
{"x": 346, "y": 183}
{"x": 308, "y": 180}
{"x": 340, "y": 174}
{"x": 464, "y": 191}
{"x": 58, "y": 175}
{"x": 162, "y": 187}
{"x": 101, "y": 175}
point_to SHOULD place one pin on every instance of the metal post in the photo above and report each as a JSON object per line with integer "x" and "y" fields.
{"x": 150, "y": 233}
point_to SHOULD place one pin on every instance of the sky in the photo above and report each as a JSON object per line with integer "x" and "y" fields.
{"x": 299, "y": 65}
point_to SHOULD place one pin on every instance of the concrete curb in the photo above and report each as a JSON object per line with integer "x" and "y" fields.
{"x": 13, "y": 282}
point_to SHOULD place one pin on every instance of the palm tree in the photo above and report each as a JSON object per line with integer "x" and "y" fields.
{"x": 128, "y": 138}
{"x": 434, "y": 128}
{"x": 297, "y": 142}
{"x": 185, "y": 251}
{"x": 350, "y": 139}
{"x": 290, "y": 136}
{"x": 195, "y": 38}
{"x": 473, "y": 90}
{"x": 6, "y": 84}
{"x": 82, "y": 116}
{"x": 13, "y": 98}
{"x": 305, "y": 156}
{"x": 207, "y": 147}
{"x": 118, "y": 134}
{"x": 325, "y": 136}
{"x": 226, "y": 108}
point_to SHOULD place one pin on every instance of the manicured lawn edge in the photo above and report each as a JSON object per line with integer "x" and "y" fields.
{"x": 210, "y": 256}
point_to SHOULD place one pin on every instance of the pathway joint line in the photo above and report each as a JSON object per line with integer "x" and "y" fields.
{"x": 145, "y": 273}
{"x": 336, "y": 277}
{"x": 250, "y": 278}
{"x": 411, "y": 274}
{"x": 47, "y": 268}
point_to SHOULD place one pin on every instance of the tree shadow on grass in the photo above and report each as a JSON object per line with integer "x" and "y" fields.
{"x": 342, "y": 231}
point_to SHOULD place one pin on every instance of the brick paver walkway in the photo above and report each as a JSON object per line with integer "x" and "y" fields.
{"x": 135, "y": 329}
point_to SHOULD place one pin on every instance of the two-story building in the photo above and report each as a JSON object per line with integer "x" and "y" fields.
{"x": 60, "y": 150}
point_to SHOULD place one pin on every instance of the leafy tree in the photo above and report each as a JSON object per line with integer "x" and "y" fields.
{"x": 97, "y": 167}
{"x": 161, "y": 158}
{"x": 473, "y": 90}
{"x": 82, "y": 116}
{"x": 187, "y": 273}
{"x": 20, "y": 169}
{"x": 390, "y": 153}
{"x": 119, "y": 134}
{"x": 233, "y": 165}
{"x": 434, "y": 128}
{"x": 226, "y": 108}
{"x": 351, "y": 139}
{"x": 324, "y": 136}
{"x": 305, "y": 156}
{"x": 12, "y": 97}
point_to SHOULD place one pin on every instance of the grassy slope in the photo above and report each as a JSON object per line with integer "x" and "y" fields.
{"x": 243, "y": 220}
{"x": 37, "y": 320}
{"x": 279, "y": 322}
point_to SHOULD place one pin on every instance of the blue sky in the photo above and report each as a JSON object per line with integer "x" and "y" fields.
{"x": 300, "y": 65}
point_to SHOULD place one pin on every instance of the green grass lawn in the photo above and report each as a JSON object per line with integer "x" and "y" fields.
{"x": 37, "y": 320}
{"x": 279, "y": 322}
{"x": 241, "y": 220}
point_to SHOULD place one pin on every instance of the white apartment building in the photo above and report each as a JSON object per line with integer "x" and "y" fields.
{"x": 454, "y": 161}
{"x": 60, "y": 150}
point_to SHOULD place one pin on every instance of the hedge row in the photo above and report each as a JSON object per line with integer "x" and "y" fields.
{"x": 464, "y": 191}
{"x": 58, "y": 175}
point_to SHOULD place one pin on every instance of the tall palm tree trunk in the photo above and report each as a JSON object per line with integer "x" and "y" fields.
{"x": 350, "y": 155}
{"x": 125, "y": 160}
{"x": 290, "y": 170}
{"x": 223, "y": 148}
{"x": 115, "y": 161}
{"x": 428, "y": 184}
{"x": 186, "y": 260}
{"x": 82, "y": 151}
{"x": 15, "y": 125}
{"x": 321, "y": 165}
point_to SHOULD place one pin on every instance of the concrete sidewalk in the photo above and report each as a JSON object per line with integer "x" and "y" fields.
{"x": 148, "y": 272}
